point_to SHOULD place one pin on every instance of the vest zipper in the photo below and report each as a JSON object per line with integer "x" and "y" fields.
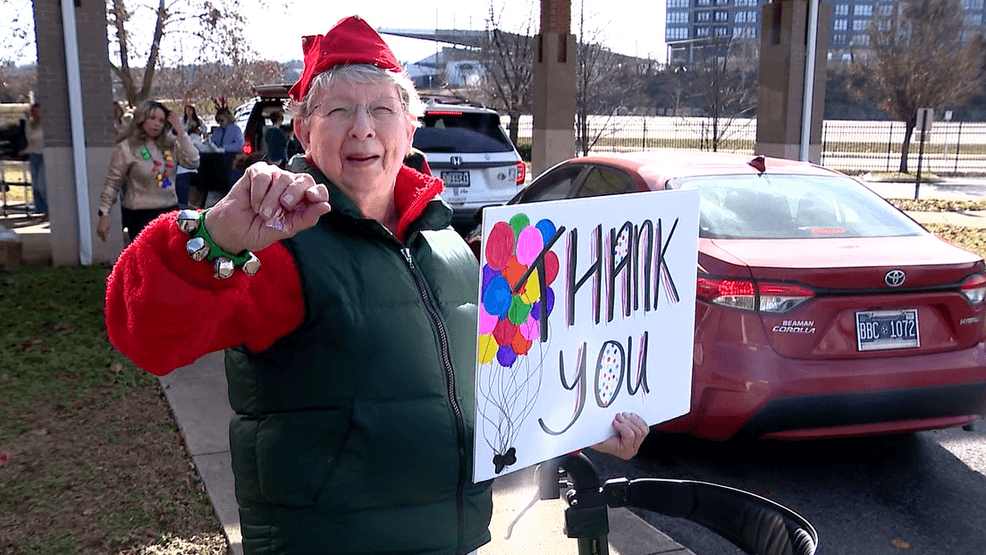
{"x": 449, "y": 386}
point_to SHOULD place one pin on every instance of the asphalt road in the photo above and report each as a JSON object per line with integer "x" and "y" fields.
{"x": 922, "y": 493}
{"x": 953, "y": 188}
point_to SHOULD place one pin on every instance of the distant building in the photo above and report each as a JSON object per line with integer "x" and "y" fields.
{"x": 694, "y": 26}
{"x": 465, "y": 73}
{"x": 450, "y": 67}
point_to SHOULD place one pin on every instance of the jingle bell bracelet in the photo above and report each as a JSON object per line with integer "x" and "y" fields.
{"x": 202, "y": 247}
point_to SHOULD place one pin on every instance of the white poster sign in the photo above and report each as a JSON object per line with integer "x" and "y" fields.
{"x": 587, "y": 309}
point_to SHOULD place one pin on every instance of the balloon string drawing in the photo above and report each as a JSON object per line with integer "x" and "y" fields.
{"x": 516, "y": 300}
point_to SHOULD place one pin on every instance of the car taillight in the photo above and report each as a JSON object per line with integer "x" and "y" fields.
{"x": 247, "y": 148}
{"x": 521, "y": 173}
{"x": 728, "y": 292}
{"x": 974, "y": 289}
{"x": 770, "y": 297}
{"x": 778, "y": 298}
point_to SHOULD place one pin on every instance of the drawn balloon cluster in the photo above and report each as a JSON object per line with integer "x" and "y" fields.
{"x": 516, "y": 299}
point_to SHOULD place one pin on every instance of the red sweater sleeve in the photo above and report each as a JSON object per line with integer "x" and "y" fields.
{"x": 165, "y": 310}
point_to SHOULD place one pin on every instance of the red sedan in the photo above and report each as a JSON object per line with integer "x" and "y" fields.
{"x": 822, "y": 310}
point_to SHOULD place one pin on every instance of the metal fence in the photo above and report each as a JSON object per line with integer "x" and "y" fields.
{"x": 850, "y": 146}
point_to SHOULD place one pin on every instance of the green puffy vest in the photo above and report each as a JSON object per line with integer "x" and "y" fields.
{"x": 353, "y": 434}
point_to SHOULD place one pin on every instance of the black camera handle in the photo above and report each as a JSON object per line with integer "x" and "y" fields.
{"x": 753, "y": 523}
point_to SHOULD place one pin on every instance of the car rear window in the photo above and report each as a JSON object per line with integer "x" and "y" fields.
{"x": 461, "y": 132}
{"x": 793, "y": 206}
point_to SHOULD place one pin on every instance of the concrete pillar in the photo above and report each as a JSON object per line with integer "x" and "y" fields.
{"x": 97, "y": 99}
{"x": 783, "y": 50}
{"x": 553, "y": 136}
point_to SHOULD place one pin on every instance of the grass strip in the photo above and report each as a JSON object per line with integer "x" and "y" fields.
{"x": 91, "y": 461}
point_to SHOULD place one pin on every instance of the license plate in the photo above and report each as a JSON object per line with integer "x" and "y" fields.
{"x": 456, "y": 178}
{"x": 887, "y": 329}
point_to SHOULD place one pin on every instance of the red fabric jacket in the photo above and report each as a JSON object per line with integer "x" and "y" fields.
{"x": 165, "y": 310}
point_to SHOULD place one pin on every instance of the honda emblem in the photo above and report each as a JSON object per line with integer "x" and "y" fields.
{"x": 456, "y": 161}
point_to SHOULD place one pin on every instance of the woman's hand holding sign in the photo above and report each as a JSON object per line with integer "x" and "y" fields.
{"x": 630, "y": 433}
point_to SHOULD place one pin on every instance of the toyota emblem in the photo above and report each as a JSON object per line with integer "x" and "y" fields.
{"x": 894, "y": 278}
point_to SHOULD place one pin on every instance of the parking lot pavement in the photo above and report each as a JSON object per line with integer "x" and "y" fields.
{"x": 950, "y": 188}
{"x": 962, "y": 219}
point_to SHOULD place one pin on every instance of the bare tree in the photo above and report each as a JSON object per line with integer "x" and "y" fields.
{"x": 668, "y": 90}
{"x": 508, "y": 78}
{"x": 725, "y": 83}
{"x": 16, "y": 83}
{"x": 16, "y": 31}
{"x": 146, "y": 35}
{"x": 192, "y": 83}
{"x": 606, "y": 82}
{"x": 916, "y": 58}
{"x": 16, "y": 49}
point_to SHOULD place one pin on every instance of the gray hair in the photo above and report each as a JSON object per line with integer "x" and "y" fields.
{"x": 360, "y": 74}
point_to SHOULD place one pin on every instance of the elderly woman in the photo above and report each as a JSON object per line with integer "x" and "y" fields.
{"x": 144, "y": 164}
{"x": 350, "y": 349}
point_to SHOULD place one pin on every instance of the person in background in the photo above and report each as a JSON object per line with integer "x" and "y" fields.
{"x": 229, "y": 138}
{"x": 188, "y": 182}
{"x": 121, "y": 120}
{"x": 228, "y": 135}
{"x": 276, "y": 141}
{"x": 145, "y": 162}
{"x": 416, "y": 159}
{"x": 191, "y": 122}
{"x": 294, "y": 147}
{"x": 183, "y": 184}
{"x": 347, "y": 306}
{"x": 35, "y": 157}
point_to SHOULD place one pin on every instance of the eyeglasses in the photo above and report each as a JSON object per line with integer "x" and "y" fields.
{"x": 385, "y": 110}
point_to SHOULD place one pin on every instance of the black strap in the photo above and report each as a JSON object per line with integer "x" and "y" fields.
{"x": 755, "y": 524}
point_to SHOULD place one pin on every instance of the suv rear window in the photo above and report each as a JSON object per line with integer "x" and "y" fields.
{"x": 461, "y": 132}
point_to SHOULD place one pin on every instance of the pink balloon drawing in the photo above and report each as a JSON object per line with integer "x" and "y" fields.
{"x": 516, "y": 298}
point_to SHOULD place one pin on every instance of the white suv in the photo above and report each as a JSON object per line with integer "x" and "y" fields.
{"x": 467, "y": 147}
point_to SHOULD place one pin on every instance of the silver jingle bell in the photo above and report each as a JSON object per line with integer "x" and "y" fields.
{"x": 252, "y": 265}
{"x": 224, "y": 268}
{"x": 197, "y": 248}
{"x": 188, "y": 221}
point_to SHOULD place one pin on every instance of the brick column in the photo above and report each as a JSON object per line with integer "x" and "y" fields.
{"x": 783, "y": 50}
{"x": 553, "y": 137}
{"x": 97, "y": 99}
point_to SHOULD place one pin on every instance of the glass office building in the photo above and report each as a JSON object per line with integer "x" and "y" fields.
{"x": 698, "y": 25}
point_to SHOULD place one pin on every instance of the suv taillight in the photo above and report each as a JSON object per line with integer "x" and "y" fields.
{"x": 521, "y": 173}
{"x": 769, "y": 297}
{"x": 974, "y": 289}
{"x": 247, "y": 148}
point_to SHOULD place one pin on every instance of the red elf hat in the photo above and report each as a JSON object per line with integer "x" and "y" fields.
{"x": 351, "y": 41}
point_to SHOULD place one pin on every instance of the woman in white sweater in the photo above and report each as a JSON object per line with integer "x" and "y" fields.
{"x": 146, "y": 161}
